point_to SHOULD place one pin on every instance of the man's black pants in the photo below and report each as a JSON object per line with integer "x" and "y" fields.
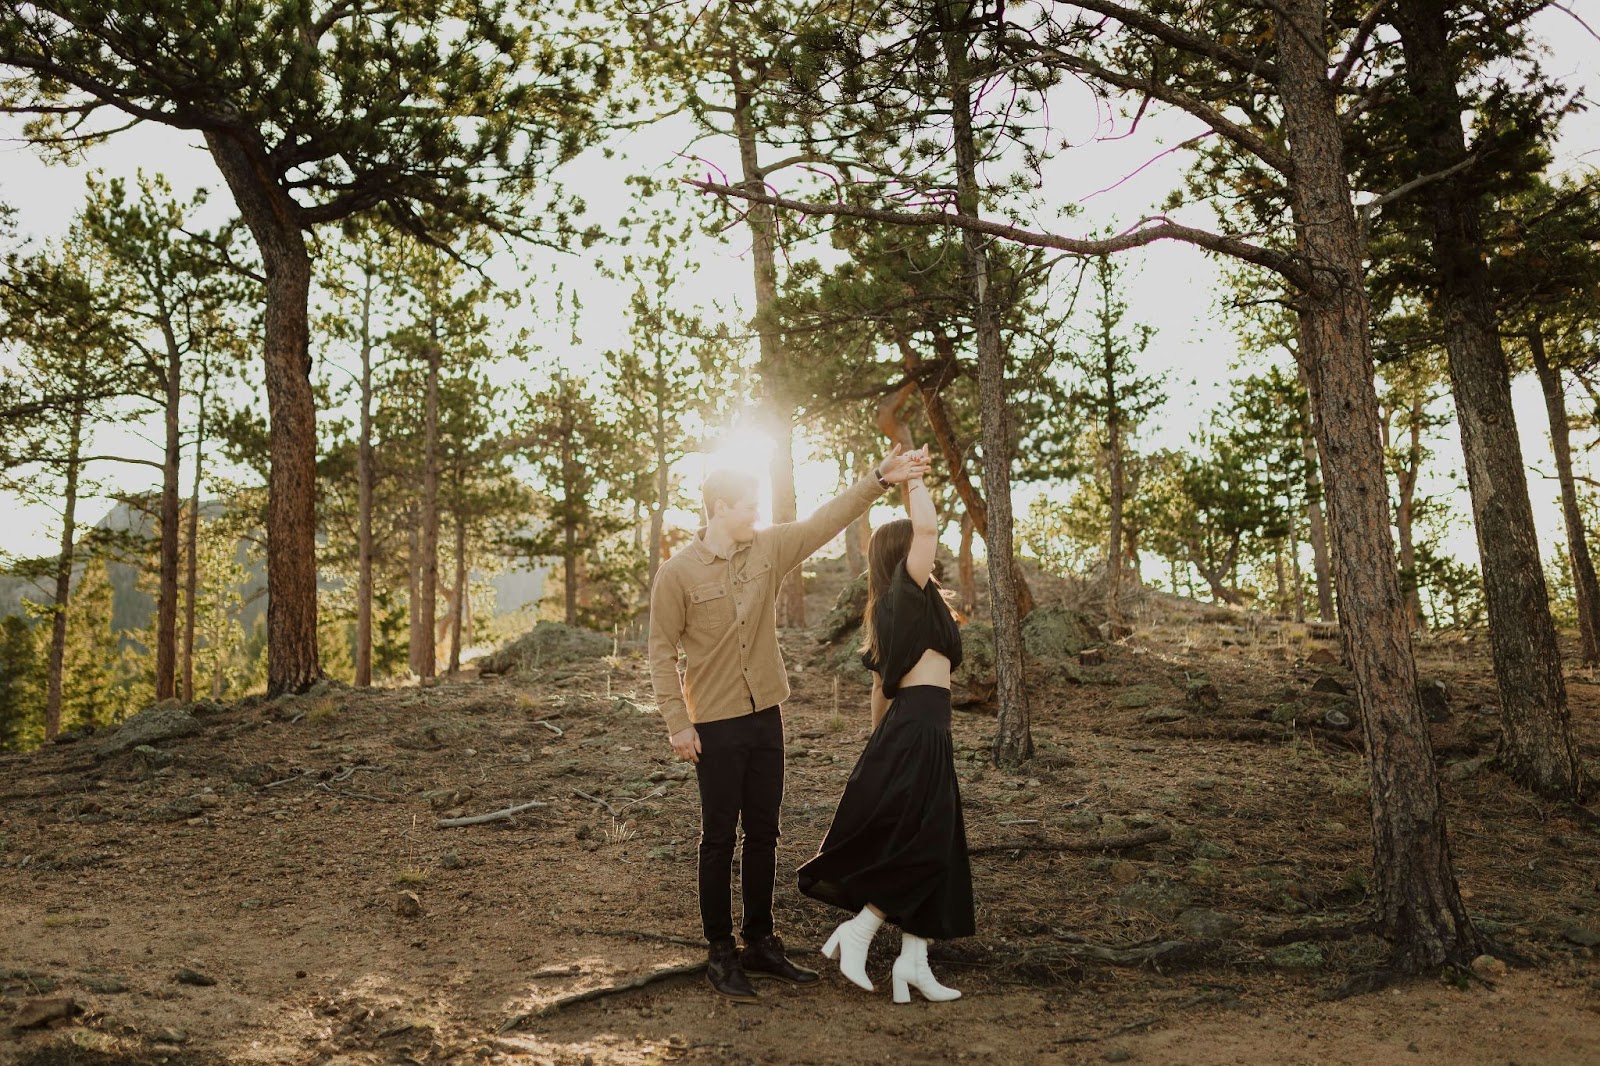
{"x": 741, "y": 776}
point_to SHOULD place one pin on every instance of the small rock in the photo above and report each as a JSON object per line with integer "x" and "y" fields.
{"x": 1331, "y": 685}
{"x": 1204, "y": 694}
{"x": 1163, "y": 714}
{"x": 259, "y": 773}
{"x": 1124, "y": 873}
{"x": 1434, "y": 696}
{"x": 451, "y": 861}
{"x": 1487, "y": 966}
{"x": 171, "y": 1036}
{"x": 194, "y": 977}
{"x": 1581, "y": 935}
{"x": 1084, "y": 821}
{"x": 1208, "y": 850}
{"x": 1284, "y": 714}
{"x": 1336, "y": 719}
{"x": 1322, "y": 657}
{"x": 1297, "y": 957}
{"x": 408, "y": 905}
{"x": 38, "y": 1013}
{"x": 1092, "y": 657}
{"x": 105, "y": 986}
{"x": 1207, "y": 925}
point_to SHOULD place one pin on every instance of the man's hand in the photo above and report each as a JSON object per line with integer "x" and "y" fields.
{"x": 901, "y": 466}
{"x": 686, "y": 742}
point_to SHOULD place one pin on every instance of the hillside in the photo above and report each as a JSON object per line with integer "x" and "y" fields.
{"x": 1178, "y": 876}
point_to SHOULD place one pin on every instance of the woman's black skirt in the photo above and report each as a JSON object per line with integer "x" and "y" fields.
{"x": 898, "y": 840}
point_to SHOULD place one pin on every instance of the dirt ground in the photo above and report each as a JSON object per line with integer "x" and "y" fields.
{"x": 240, "y": 895}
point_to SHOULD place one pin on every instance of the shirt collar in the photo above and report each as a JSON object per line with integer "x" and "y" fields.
{"x": 704, "y": 552}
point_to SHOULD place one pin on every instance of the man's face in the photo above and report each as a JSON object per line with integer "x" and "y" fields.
{"x": 739, "y": 519}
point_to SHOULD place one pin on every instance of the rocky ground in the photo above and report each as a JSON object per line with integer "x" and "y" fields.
{"x": 1173, "y": 878}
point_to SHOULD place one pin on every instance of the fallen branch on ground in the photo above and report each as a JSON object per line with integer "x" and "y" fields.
{"x": 603, "y": 991}
{"x": 1089, "y": 1038}
{"x": 1153, "y": 835}
{"x": 550, "y": 726}
{"x": 596, "y": 799}
{"x": 493, "y": 816}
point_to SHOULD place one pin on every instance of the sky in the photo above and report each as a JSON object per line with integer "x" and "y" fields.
{"x": 1171, "y": 287}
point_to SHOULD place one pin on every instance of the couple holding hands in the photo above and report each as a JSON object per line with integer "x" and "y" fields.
{"x": 896, "y": 851}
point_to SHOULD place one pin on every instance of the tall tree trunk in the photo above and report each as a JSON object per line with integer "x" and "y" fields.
{"x": 461, "y": 604}
{"x": 1420, "y": 910}
{"x": 1406, "y": 515}
{"x": 63, "y": 593}
{"x": 951, "y": 449}
{"x": 364, "y": 480}
{"x": 414, "y": 596}
{"x": 274, "y": 221}
{"x": 1537, "y": 748}
{"x": 663, "y": 486}
{"x": 858, "y": 533}
{"x": 1296, "y": 573}
{"x": 167, "y": 594}
{"x": 1114, "y": 456}
{"x": 1013, "y": 734}
{"x": 1584, "y": 586}
{"x": 429, "y": 592}
{"x": 968, "y": 579}
{"x": 569, "y": 477}
{"x": 777, "y": 406}
{"x": 191, "y": 581}
{"x": 1321, "y": 565}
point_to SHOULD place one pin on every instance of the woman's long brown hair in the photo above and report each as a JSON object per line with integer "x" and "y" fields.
{"x": 890, "y": 544}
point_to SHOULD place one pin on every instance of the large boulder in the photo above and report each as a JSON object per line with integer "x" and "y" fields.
{"x": 1055, "y": 633}
{"x": 973, "y": 683}
{"x": 848, "y": 609}
{"x": 548, "y": 644}
{"x": 161, "y": 722}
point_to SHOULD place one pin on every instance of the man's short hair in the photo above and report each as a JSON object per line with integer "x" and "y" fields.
{"x": 732, "y": 487}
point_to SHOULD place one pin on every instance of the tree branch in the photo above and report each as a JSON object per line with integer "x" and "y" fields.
{"x": 1369, "y": 24}
{"x": 1242, "y": 62}
{"x": 1289, "y": 266}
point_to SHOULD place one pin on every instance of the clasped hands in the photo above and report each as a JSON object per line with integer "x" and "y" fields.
{"x": 900, "y": 466}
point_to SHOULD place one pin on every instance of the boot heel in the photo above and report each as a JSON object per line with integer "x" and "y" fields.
{"x": 902, "y": 992}
{"x": 830, "y": 950}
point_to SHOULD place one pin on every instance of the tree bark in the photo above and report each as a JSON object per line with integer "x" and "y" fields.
{"x": 1420, "y": 909}
{"x": 274, "y": 221}
{"x": 414, "y": 590}
{"x": 462, "y": 606}
{"x": 778, "y": 408}
{"x": 167, "y": 586}
{"x": 364, "y": 485}
{"x": 968, "y": 573}
{"x": 1406, "y": 475}
{"x": 1537, "y": 747}
{"x": 1321, "y": 564}
{"x": 944, "y": 433}
{"x": 1114, "y": 457}
{"x": 1585, "y": 588}
{"x": 191, "y": 583}
{"x": 1013, "y": 735}
{"x": 429, "y": 591}
{"x": 63, "y": 593}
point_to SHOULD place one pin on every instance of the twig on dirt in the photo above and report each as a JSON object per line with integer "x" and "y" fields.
{"x": 350, "y": 771}
{"x": 301, "y": 776}
{"x": 572, "y": 970}
{"x": 596, "y": 799}
{"x": 1153, "y": 835}
{"x": 601, "y": 992}
{"x": 493, "y": 816}
{"x": 352, "y": 795}
{"x": 550, "y": 726}
{"x": 1089, "y": 1038}
{"x": 644, "y": 934}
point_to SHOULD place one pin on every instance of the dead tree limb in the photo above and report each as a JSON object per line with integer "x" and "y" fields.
{"x": 1153, "y": 835}
{"x": 493, "y": 816}
{"x": 603, "y": 991}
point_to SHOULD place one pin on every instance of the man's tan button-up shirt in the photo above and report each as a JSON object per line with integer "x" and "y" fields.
{"x": 723, "y": 614}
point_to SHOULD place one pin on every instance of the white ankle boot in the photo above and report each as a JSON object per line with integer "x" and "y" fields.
{"x": 911, "y": 971}
{"x": 849, "y": 944}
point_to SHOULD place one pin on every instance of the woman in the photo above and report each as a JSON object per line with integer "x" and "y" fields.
{"x": 897, "y": 848}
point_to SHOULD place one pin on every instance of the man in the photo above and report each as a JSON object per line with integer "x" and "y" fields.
{"x": 717, "y": 600}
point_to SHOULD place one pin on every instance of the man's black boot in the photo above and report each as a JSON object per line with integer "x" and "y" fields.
{"x": 727, "y": 976}
{"x": 765, "y": 958}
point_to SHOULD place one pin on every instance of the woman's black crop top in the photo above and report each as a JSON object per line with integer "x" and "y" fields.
{"x": 909, "y": 621}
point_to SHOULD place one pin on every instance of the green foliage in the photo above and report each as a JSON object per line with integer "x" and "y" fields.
{"x": 22, "y": 681}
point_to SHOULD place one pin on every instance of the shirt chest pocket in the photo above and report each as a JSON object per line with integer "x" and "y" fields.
{"x": 710, "y": 606}
{"x": 758, "y": 573}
